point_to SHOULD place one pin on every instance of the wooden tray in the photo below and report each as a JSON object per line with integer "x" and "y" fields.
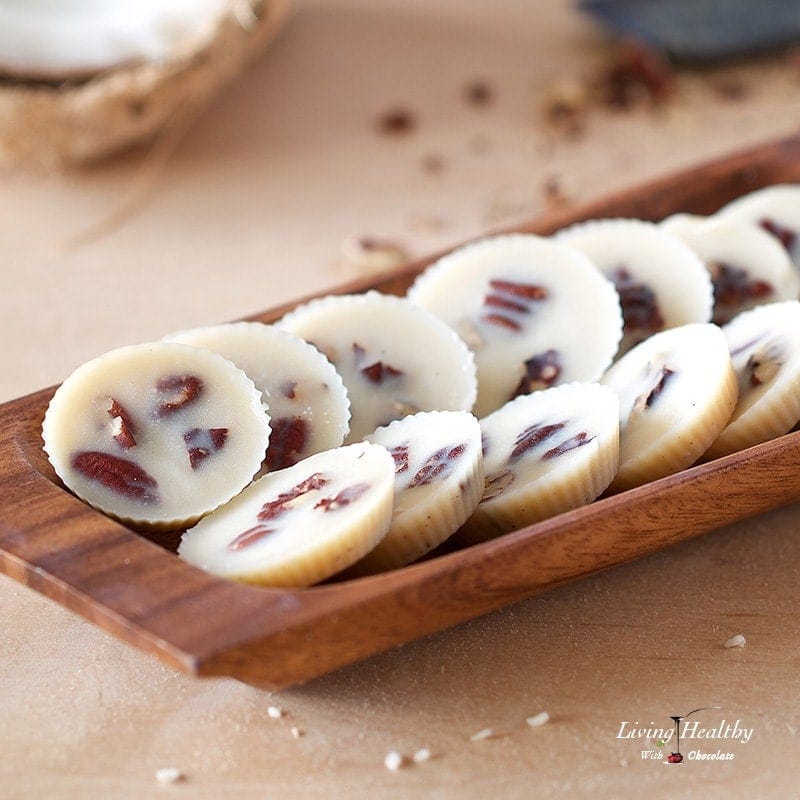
{"x": 141, "y": 592}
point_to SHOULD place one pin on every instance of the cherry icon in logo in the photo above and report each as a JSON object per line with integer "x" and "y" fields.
{"x": 677, "y": 757}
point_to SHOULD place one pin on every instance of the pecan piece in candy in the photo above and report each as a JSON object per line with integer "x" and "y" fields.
{"x": 276, "y": 507}
{"x": 578, "y": 440}
{"x": 502, "y": 321}
{"x": 286, "y": 442}
{"x": 732, "y": 288}
{"x": 117, "y": 474}
{"x": 202, "y": 442}
{"x": 736, "y": 351}
{"x": 376, "y": 371}
{"x": 507, "y": 303}
{"x": 438, "y": 465}
{"x": 178, "y": 391}
{"x": 496, "y": 484}
{"x": 763, "y": 365}
{"x": 530, "y": 291}
{"x": 400, "y": 456}
{"x": 289, "y": 389}
{"x": 541, "y": 372}
{"x": 658, "y": 387}
{"x": 343, "y": 498}
{"x": 533, "y": 435}
{"x": 638, "y": 301}
{"x": 122, "y": 428}
{"x": 250, "y": 536}
{"x": 786, "y": 236}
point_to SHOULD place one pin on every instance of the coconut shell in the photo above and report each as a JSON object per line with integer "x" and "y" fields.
{"x": 60, "y": 125}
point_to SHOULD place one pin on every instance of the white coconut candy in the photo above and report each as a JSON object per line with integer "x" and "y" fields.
{"x": 156, "y": 434}
{"x": 748, "y": 266}
{"x": 308, "y": 405}
{"x": 394, "y": 357}
{"x": 545, "y": 453}
{"x": 776, "y": 209}
{"x": 765, "y": 350}
{"x": 438, "y": 483}
{"x": 661, "y": 282}
{"x": 300, "y": 525}
{"x": 677, "y": 392}
{"x": 535, "y": 313}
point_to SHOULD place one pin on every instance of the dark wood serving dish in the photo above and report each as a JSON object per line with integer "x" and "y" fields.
{"x": 141, "y": 592}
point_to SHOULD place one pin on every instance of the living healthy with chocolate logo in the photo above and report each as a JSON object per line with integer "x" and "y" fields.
{"x": 691, "y": 734}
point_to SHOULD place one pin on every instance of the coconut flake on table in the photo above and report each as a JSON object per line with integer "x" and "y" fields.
{"x": 482, "y": 735}
{"x": 394, "y": 760}
{"x": 735, "y": 641}
{"x": 168, "y": 775}
{"x": 538, "y": 720}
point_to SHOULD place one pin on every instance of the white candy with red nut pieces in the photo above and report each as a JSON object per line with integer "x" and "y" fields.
{"x": 156, "y": 434}
{"x": 300, "y": 525}
{"x": 765, "y": 350}
{"x": 747, "y": 265}
{"x": 660, "y": 281}
{"x": 394, "y": 358}
{"x": 677, "y": 391}
{"x": 438, "y": 482}
{"x": 776, "y": 209}
{"x": 308, "y": 405}
{"x": 545, "y": 453}
{"x": 535, "y": 313}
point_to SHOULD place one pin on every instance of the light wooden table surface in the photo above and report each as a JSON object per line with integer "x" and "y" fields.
{"x": 252, "y": 211}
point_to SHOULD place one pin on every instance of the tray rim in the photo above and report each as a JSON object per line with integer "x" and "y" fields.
{"x": 242, "y": 643}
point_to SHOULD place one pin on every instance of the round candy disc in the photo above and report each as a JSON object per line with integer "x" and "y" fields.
{"x": 308, "y": 405}
{"x": 765, "y": 350}
{"x": 300, "y": 525}
{"x": 156, "y": 434}
{"x": 677, "y": 391}
{"x": 438, "y": 482}
{"x": 535, "y": 313}
{"x": 394, "y": 358}
{"x": 544, "y": 454}
{"x": 661, "y": 282}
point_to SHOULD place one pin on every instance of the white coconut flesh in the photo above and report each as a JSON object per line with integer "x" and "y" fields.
{"x": 50, "y": 39}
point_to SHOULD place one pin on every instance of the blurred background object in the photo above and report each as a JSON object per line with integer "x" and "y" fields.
{"x": 81, "y": 81}
{"x": 702, "y": 30}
